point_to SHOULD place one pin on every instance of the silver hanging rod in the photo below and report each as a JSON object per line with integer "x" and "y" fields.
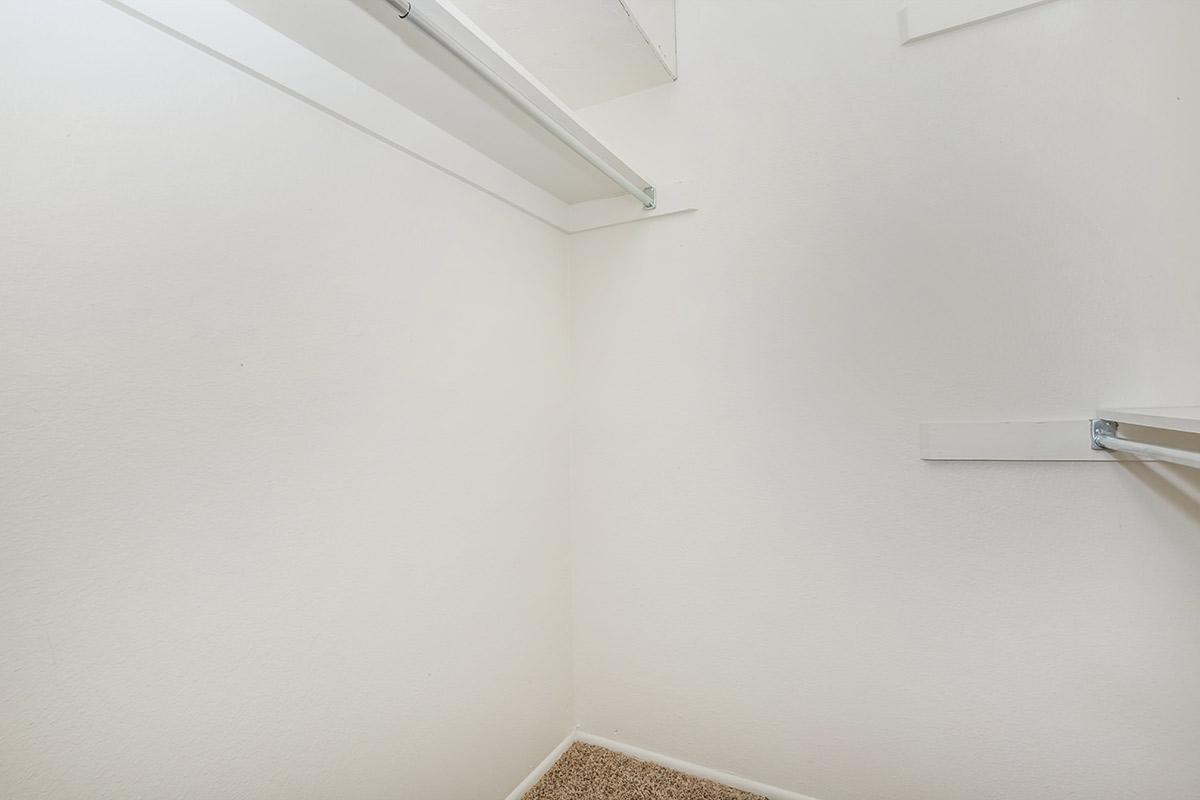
{"x": 456, "y": 33}
{"x": 1104, "y": 437}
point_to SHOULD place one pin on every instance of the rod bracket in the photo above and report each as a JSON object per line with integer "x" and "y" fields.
{"x": 653, "y": 204}
{"x": 1102, "y": 428}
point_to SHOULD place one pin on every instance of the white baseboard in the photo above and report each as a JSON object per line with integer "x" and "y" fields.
{"x": 541, "y": 769}
{"x": 695, "y": 770}
{"x": 686, "y": 767}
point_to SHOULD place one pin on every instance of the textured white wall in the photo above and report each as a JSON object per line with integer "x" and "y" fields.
{"x": 282, "y": 442}
{"x": 767, "y": 579}
{"x": 283, "y": 423}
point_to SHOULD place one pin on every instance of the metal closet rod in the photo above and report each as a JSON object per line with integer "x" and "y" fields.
{"x": 413, "y": 14}
{"x": 1104, "y": 437}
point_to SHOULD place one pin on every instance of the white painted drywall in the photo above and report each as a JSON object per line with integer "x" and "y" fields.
{"x": 284, "y": 423}
{"x": 282, "y": 442}
{"x": 768, "y": 581}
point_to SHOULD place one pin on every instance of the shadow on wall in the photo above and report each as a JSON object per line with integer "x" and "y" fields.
{"x": 1179, "y": 486}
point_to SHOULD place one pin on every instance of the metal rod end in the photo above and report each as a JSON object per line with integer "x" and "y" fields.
{"x": 403, "y": 6}
{"x": 1102, "y": 428}
{"x": 653, "y": 204}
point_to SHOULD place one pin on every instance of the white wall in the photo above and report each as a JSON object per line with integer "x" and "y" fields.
{"x": 284, "y": 421}
{"x": 282, "y": 442}
{"x": 767, "y": 579}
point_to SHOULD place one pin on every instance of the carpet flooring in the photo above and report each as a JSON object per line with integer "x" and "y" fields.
{"x": 588, "y": 772}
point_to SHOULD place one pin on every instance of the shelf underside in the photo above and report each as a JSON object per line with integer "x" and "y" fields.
{"x": 1182, "y": 419}
{"x": 365, "y": 40}
{"x": 530, "y": 170}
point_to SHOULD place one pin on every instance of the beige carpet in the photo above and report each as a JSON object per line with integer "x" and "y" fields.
{"x": 588, "y": 772}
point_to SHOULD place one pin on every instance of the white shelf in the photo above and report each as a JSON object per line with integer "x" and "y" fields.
{"x": 366, "y": 40}
{"x": 1184, "y": 419}
{"x": 482, "y": 138}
